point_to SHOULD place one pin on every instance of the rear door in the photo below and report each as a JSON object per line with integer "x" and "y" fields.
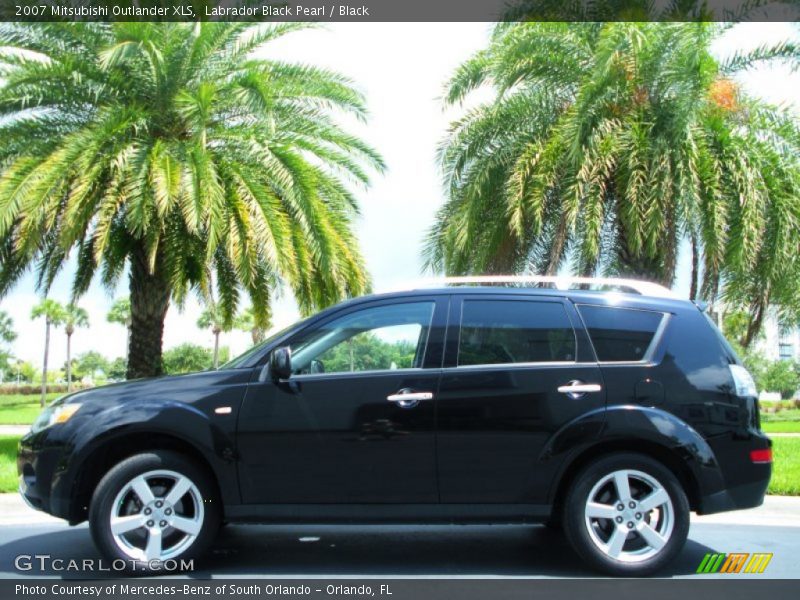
{"x": 517, "y": 368}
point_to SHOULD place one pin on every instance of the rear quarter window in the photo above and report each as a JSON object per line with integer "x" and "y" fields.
{"x": 620, "y": 334}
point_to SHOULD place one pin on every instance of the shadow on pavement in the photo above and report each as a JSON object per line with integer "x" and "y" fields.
{"x": 297, "y": 551}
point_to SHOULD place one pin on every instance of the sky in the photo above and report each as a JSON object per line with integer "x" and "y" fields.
{"x": 401, "y": 68}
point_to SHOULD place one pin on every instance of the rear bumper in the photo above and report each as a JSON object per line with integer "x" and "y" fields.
{"x": 743, "y": 496}
{"x": 746, "y": 482}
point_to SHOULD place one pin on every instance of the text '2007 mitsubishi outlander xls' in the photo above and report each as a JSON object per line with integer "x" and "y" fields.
{"x": 608, "y": 407}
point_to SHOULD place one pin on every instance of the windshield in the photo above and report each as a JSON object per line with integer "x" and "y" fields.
{"x": 247, "y": 359}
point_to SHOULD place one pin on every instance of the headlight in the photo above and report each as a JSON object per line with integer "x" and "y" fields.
{"x": 53, "y": 414}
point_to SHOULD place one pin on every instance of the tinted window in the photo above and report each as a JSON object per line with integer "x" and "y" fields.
{"x": 392, "y": 336}
{"x": 513, "y": 331}
{"x": 620, "y": 334}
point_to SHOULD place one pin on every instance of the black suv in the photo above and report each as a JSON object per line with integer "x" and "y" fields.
{"x": 612, "y": 414}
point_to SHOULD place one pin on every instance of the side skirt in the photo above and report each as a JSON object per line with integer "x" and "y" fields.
{"x": 388, "y": 513}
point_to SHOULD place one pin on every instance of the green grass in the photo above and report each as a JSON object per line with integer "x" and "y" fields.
{"x": 790, "y": 414}
{"x": 8, "y": 463}
{"x": 786, "y": 467}
{"x": 18, "y": 409}
{"x": 781, "y": 427}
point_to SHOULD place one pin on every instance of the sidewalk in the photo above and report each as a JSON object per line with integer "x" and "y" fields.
{"x": 777, "y": 511}
{"x": 14, "y": 429}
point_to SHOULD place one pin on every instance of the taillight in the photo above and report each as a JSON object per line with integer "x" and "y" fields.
{"x": 761, "y": 456}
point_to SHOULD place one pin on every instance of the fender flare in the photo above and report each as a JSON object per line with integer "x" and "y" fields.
{"x": 168, "y": 418}
{"x": 616, "y": 426}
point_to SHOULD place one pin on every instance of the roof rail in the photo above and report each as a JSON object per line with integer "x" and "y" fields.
{"x": 644, "y": 288}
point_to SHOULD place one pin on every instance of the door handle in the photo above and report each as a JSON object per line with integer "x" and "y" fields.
{"x": 409, "y": 399}
{"x": 577, "y": 389}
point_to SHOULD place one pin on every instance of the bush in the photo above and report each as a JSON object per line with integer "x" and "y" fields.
{"x": 780, "y": 376}
{"x": 31, "y": 389}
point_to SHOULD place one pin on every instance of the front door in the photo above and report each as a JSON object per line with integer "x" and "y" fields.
{"x": 505, "y": 390}
{"x": 355, "y": 422}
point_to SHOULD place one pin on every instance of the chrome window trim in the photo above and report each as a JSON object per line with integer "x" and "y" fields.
{"x": 339, "y": 374}
{"x": 647, "y": 357}
{"x": 519, "y": 365}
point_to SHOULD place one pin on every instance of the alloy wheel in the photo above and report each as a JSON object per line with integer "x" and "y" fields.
{"x": 629, "y": 516}
{"x": 157, "y": 515}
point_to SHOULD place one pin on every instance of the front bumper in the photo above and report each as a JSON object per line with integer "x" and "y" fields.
{"x": 40, "y": 463}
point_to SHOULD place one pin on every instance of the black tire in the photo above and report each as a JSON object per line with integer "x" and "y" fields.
{"x": 113, "y": 483}
{"x": 578, "y": 532}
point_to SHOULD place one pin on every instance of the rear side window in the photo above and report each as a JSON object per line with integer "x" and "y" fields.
{"x": 513, "y": 331}
{"x": 620, "y": 334}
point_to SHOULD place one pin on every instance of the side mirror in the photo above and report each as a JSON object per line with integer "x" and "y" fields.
{"x": 280, "y": 363}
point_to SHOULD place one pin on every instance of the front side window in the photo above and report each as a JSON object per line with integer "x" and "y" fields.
{"x": 514, "y": 331}
{"x": 620, "y": 334}
{"x": 384, "y": 337}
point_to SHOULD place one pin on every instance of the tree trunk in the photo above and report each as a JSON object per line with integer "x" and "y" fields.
{"x": 754, "y": 326}
{"x": 149, "y": 293}
{"x": 69, "y": 363}
{"x": 695, "y": 269}
{"x": 216, "y": 349}
{"x": 44, "y": 362}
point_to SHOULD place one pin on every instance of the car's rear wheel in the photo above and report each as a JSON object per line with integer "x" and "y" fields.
{"x": 626, "y": 514}
{"x": 152, "y": 508}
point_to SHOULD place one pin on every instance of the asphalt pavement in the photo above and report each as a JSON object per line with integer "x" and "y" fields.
{"x": 410, "y": 551}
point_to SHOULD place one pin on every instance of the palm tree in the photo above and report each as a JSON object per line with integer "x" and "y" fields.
{"x": 247, "y": 321}
{"x": 7, "y": 333}
{"x": 212, "y": 318}
{"x": 74, "y": 316}
{"x": 605, "y": 146}
{"x": 54, "y": 314}
{"x": 120, "y": 313}
{"x": 176, "y": 150}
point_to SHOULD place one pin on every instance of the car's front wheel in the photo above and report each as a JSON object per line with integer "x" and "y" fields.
{"x": 152, "y": 508}
{"x": 626, "y": 514}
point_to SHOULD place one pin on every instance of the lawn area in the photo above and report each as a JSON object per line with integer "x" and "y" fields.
{"x": 21, "y": 409}
{"x": 781, "y": 427}
{"x": 786, "y": 467}
{"x": 8, "y": 463}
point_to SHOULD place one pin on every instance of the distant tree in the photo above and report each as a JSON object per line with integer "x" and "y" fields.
{"x": 90, "y": 363}
{"x": 53, "y": 313}
{"x": 213, "y": 318}
{"x": 781, "y": 376}
{"x": 120, "y": 313}
{"x": 246, "y": 321}
{"x": 27, "y": 371}
{"x": 117, "y": 369}
{"x": 366, "y": 352}
{"x": 74, "y": 317}
{"x": 186, "y": 358}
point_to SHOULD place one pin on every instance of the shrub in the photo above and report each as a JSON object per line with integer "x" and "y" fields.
{"x": 31, "y": 389}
